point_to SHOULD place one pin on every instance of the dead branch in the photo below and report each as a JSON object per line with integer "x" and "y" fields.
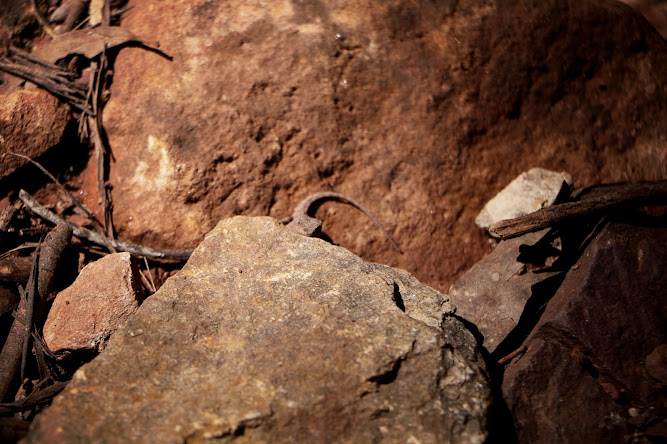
{"x": 101, "y": 149}
{"x": 15, "y": 349}
{"x": 53, "y": 79}
{"x": 600, "y": 202}
{"x": 73, "y": 200}
{"x": 28, "y": 319}
{"x": 35, "y": 399}
{"x": 10, "y": 356}
{"x": 50, "y": 260}
{"x": 95, "y": 238}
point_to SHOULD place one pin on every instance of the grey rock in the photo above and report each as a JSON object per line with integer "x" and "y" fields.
{"x": 529, "y": 192}
{"x": 266, "y": 335}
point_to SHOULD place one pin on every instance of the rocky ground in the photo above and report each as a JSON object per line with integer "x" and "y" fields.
{"x": 179, "y": 115}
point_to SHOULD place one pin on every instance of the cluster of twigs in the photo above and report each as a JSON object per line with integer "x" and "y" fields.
{"x": 87, "y": 99}
{"x": 60, "y": 82}
{"x": 24, "y": 336}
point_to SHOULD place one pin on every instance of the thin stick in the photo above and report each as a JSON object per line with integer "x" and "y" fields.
{"x": 150, "y": 276}
{"x": 34, "y": 399}
{"x": 74, "y": 200}
{"x": 95, "y": 238}
{"x": 651, "y": 193}
{"x": 30, "y": 69}
{"x": 518, "y": 351}
{"x": 54, "y": 80}
{"x": 106, "y": 13}
{"x": 60, "y": 186}
{"x": 58, "y": 71}
{"x": 101, "y": 151}
{"x": 31, "y": 295}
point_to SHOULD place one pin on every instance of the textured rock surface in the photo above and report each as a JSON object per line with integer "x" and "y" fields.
{"x": 491, "y": 295}
{"x": 589, "y": 372}
{"x": 31, "y": 122}
{"x": 266, "y": 335}
{"x": 85, "y": 314}
{"x": 421, "y": 110}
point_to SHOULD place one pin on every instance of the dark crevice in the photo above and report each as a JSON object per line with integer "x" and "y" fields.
{"x": 472, "y": 328}
{"x": 542, "y": 292}
{"x": 398, "y": 299}
{"x": 240, "y": 430}
{"x": 500, "y": 420}
{"x": 389, "y": 376}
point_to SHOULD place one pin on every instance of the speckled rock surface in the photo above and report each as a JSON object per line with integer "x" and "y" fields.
{"x": 493, "y": 293}
{"x": 268, "y": 336}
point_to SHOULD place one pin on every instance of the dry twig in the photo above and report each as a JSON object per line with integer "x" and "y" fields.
{"x": 31, "y": 297}
{"x": 50, "y": 77}
{"x": 35, "y": 399}
{"x": 95, "y": 238}
{"x": 73, "y": 200}
{"x": 651, "y": 193}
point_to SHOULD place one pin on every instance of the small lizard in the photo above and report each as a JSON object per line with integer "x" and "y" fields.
{"x": 301, "y": 223}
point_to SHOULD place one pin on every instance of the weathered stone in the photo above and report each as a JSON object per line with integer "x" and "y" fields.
{"x": 268, "y": 336}
{"x": 491, "y": 295}
{"x": 31, "y": 122}
{"x": 85, "y": 314}
{"x": 529, "y": 192}
{"x": 421, "y": 110}
{"x": 587, "y": 374}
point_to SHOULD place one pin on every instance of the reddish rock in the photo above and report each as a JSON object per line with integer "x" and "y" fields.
{"x": 102, "y": 298}
{"x": 31, "y": 122}
{"x": 420, "y": 110}
{"x": 591, "y": 368}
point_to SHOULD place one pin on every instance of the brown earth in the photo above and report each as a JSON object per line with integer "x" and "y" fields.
{"x": 420, "y": 111}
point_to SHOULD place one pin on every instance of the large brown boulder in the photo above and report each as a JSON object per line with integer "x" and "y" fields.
{"x": 593, "y": 368}
{"x": 420, "y": 110}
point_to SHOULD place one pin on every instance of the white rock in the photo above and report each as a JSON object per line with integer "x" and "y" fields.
{"x": 530, "y": 191}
